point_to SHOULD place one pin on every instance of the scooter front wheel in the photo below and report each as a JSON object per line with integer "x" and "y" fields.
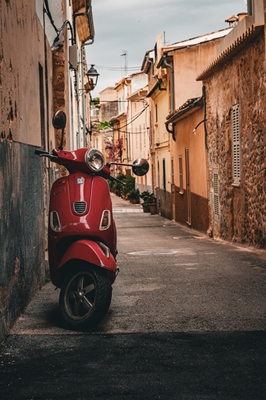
{"x": 85, "y": 297}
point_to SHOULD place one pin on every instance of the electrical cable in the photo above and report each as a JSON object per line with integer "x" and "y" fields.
{"x": 117, "y": 68}
{"x": 133, "y": 118}
{"x": 48, "y": 12}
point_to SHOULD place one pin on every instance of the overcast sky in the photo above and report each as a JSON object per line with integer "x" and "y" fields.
{"x": 131, "y": 26}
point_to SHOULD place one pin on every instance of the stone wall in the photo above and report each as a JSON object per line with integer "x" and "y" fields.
{"x": 21, "y": 230}
{"x": 242, "y": 212}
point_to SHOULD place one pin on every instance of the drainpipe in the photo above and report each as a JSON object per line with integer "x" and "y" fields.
{"x": 204, "y": 121}
{"x": 171, "y": 81}
{"x": 150, "y": 62}
{"x": 205, "y": 116}
{"x": 171, "y": 131}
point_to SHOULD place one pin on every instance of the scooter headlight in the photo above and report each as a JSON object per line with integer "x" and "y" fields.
{"x": 94, "y": 160}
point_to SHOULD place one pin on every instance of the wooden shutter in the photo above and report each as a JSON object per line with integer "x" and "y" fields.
{"x": 236, "y": 144}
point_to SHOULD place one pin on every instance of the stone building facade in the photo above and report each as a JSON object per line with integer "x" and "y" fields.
{"x": 236, "y": 131}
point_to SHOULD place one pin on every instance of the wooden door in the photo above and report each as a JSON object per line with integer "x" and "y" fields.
{"x": 188, "y": 186}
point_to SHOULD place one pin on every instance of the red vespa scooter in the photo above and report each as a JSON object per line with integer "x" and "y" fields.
{"x": 82, "y": 235}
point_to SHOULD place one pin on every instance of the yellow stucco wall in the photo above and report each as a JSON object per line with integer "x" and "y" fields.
{"x": 185, "y": 138}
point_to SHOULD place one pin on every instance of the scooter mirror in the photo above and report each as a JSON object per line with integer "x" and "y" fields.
{"x": 59, "y": 120}
{"x": 140, "y": 167}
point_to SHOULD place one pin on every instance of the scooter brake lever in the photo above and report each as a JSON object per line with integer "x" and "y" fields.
{"x": 43, "y": 153}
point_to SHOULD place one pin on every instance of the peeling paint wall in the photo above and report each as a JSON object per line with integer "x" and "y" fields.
{"x": 24, "y": 89}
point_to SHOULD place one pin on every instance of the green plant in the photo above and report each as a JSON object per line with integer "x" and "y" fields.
{"x": 103, "y": 125}
{"x": 147, "y": 199}
{"x": 146, "y": 196}
{"x": 118, "y": 186}
{"x": 133, "y": 195}
{"x": 129, "y": 185}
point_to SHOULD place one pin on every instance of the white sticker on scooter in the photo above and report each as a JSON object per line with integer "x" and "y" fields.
{"x": 80, "y": 181}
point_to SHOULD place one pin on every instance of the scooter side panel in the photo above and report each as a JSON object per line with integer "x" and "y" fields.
{"x": 91, "y": 252}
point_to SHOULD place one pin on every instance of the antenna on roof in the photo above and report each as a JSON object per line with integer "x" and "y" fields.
{"x": 164, "y": 39}
{"x": 124, "y": 54}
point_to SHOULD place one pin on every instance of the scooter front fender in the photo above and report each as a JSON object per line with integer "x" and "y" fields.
{"x": 91, "y": 252}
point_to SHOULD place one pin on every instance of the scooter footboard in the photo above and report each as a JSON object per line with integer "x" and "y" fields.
{"x": 91, "y": 252}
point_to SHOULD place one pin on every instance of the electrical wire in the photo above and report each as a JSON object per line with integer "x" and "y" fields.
{"x": 134, "y": 118}
{"x": 48, "y": 12}
{"x": 117, "y": 68}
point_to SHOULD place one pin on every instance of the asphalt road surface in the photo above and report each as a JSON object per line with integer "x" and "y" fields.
{"x": 187, "y": 321}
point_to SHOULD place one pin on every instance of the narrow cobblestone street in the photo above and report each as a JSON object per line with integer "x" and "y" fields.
{"x": 187, "y": 321}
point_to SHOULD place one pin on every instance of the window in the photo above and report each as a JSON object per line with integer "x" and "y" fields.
{"x": 235, "y": 144}
{"x": 216, "y": 194}
{"x": 164, "y": 175}
{"x": 94, "y": 112}
{"x": 158, "y": 167}
{"x": 181, "y": 185}
{"x": 156, "y": 112}
{"x": 140, "y": 138}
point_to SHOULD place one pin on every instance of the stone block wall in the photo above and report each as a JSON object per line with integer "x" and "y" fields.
{"x": 242, "y": 210}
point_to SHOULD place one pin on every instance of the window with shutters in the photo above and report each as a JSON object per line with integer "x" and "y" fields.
{"x": 236, "y": 144}
{"x": 164, "y": 174}
{"x": 181, "y": 186}
{"x": 216, "y": 194}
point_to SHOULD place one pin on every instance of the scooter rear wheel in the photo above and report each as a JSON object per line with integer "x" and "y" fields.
{"x": 85, "y": 297}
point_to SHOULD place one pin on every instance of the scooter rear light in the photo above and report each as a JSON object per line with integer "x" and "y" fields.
{"x": 55, "y": 221}
{"x": 105, "y": 220}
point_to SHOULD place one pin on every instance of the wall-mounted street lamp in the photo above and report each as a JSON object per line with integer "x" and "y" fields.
{"x": 92, "y": 75}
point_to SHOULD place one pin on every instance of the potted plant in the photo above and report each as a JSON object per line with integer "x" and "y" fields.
{"x": 153, "y": 205}
{"x": 117, "y": 186}
{"x": 148, "y": 202}
{"x": 129, "y": 186}
{"x": 133, "y": 196}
